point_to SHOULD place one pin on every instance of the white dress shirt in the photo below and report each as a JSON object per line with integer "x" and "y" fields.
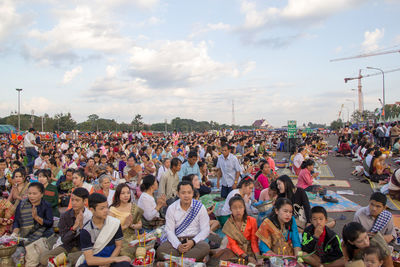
{"x": 199, "y": 228}
{"x": 148, "y": 205}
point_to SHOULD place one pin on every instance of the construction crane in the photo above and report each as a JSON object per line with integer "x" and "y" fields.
{"x": 340, "y": 111}
{"x": 360, "y": 93}
{"x": 367, "y": 55}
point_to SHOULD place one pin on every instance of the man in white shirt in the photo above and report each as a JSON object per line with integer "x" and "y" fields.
{"x": 229, "y": 170}
{"x": 187, "y": 225}
{"x": 30, "y": 149}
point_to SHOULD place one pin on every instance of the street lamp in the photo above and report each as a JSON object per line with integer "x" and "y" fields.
{"x": 383, "y": 88}
{"x": 19, "y": 108}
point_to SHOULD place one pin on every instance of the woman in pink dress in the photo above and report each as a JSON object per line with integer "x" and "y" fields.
{"x": 264, "y": 179}
{"x": 305, "y": 179}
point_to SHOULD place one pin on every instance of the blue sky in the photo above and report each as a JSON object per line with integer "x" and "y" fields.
{"x": 165, "y": 59}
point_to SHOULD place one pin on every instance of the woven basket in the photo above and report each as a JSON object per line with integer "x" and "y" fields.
{"x": 8, "y": 251}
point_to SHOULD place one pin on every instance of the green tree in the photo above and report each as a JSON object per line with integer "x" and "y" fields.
{"x": 137, "y": 122}
{"x": 336, "y": 125}
{"x": 65, "y": 122}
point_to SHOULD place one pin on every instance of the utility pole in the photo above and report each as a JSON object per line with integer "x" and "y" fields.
{"x": 383, "y": 89}
{"x": 42, "y": 125}
{"x": 19, "y": 108}
{"x": 165, "y": 122}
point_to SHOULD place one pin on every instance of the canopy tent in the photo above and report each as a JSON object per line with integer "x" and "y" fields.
{"x": 7, "y": 129}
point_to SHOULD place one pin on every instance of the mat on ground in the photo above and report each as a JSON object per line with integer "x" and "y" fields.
{"x": 333, "y": 183}
{"x": 343, "y": 205}
{"x": 324, "y": 170}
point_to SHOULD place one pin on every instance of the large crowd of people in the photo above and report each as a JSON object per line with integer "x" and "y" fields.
{"x": 89, "y": 196}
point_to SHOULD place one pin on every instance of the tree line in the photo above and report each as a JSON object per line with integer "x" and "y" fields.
{"x": 65, "y": 122}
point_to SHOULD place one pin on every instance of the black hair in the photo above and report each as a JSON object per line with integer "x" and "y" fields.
{"x": 146, "y": 156}
{"x": 192, "y": 154}
{"x": 39, "y": 186}
{"x": 21, "y": 171}
{"x": 273, "y": 187}
{"x": 53, "y": 161}
{"x": 31, "y": 129}
{"x": 81, "y": 192}
{"x": 273, "y": 217}
{"x": 80, "y": 172}
{"x": 188, "y": 178}
{"x": 182, "y": 183}
{"x": 374, "y": 250}
{"x": 147, "y": 182}
{"x": 239, "y": 198}
{"x": 319, "y": 209}
{"x": 350, "y": 233}
{"x": 306, "y": 163}
{"x": 96, "y": 199}
{"x": 379, "y": 197}
{"x": 289, "y": 187}
{"x": 246, "y": 181}
{"x": 2, "y": 160}
{"x": 117, "y": 195}
{"x": 70, "y": 170}
{"x": 196, "y": 193}
{"x": 175, "y": 162}
{"x": 201, "y": 164}
{"x": 46, "y": 173}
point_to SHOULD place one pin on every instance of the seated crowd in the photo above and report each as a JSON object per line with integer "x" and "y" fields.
{"x": 90, "y": 199}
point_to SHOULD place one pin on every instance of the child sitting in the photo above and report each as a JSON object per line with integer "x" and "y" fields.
{"x": 320, "y": 243}
{"x": 373, "y": 257}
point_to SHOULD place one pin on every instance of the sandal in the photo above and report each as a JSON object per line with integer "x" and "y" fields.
{"x": 330, "y": 199}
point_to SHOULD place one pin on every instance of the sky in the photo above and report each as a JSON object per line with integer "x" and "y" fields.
{"x": 192, "y": 59}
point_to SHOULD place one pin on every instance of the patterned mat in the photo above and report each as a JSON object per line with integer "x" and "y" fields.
{"x": 343, "y": 205}
{"x": 324, "y": 170}
{"x": 333, "y": 183}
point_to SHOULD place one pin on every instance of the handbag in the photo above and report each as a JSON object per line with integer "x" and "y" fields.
{"x": 64, "y": 201}
{"x": 34, "y": 250}
{"x": 300, "y": 216}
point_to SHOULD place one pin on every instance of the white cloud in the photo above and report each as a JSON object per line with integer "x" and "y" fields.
{"x": 293, "y": 12}
{"x": 210, "y": 27}
{"x": 177, "y": 63}
{"x": 9, "y": 18}
{"x": 69, "y": 75}
{"x": 111, "y": 71}
{"x": 83, "y": 27}
{"x": 371, "y": 40}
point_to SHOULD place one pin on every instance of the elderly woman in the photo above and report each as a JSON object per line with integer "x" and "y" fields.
{"x": 6, "y": 215}
{"x": 34, "y": 216}
{"x": 105, "y": 183}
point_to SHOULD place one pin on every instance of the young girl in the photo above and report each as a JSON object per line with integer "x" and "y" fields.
{"x": 299, "y": 198}
{"x": 278, "y": 233}
{"x": 129, "y": 214}
{"x": 264, "y": 179}
{"x": 78, "y": 180}
{"x": 50, "y": 191}
{"x": 240, "y": 230}
{"x": 245, "y": 188}
{"x": 114, "y": 174}
{"x": 373, "y": 257}
{"x": 355, "y": 239}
